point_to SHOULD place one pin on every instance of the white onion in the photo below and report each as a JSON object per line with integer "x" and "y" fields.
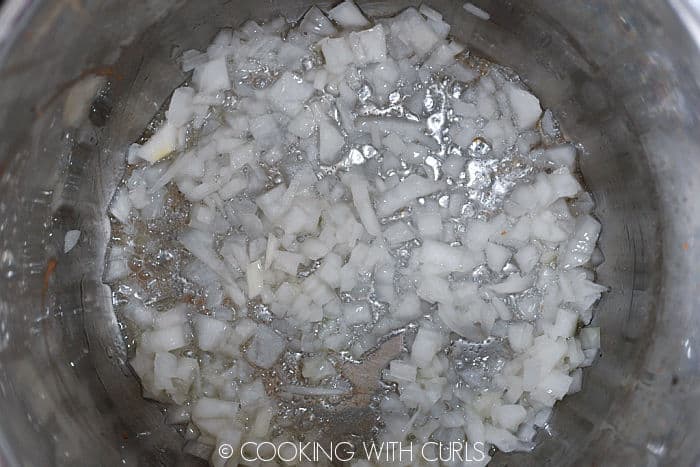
{"x": 315, "y": 22}
{"x": 476, "y": 11}
{"x": 397, "y": 233}
{"x": 520, "y": 336}
{"x": 527, "y": 258}
{"x": 508, "y": 416}
{"x": 580, "y": 248}
{"x": 120, "y": 207}
{"x": 348, "y": 15}
{"x": 526, "y": 107}
{"x": 331, "y": 142}
{"x": 513, "y": 284}
{"x": 496, "y": 256}
{"x": 565, "y": 324}
{"x": 180, "y": 110}
{"x": 212, "y": 76}
{"x": 329, "y": 211}
{"x": 209, "y": 332}
{"x": 337, "y": 53}
{"x": 316, "y": 368}
{"x": 265, "y": 347}
{"x": 563, "y": 156}
{"x": 207, "y": 408}
{"x": 401, "y": 372}
{"x": 164, "y": 340}
{"x": 288, "y": 93}
{"x": 425, "y": 346}
{"x": 368, "y": 46}
{"x": 413, "y": 30}
{"x": 502, "y": 439}
{"x": 174, "y": 317}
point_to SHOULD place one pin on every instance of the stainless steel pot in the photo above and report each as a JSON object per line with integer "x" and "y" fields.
{"x": 80, "y": 79}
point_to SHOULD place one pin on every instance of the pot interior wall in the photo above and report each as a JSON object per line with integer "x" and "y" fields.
{"x": 615, "y": 73}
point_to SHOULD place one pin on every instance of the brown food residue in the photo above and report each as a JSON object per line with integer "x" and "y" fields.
{"x": 50, "y": 268}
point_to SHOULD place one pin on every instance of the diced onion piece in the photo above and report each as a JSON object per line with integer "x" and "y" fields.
{"x": 198, "y": 243}
{"x": 513, "y": 284}
{"x": 265, "y": 131}
{"x": 212, "y": 76}
{"x": 563, "y": 156}
{"x": 555, "y": 385}
{"x": 254, "y": 274}
{"x": 287, "y": 262}
{"x": 527, "y": 258}
{"x": 565, "y": 324}
{"x": 176, "y": 316}
{"x": 446, "y": 258}
{"x": 316, "y": 368}
{"x": 303, "y": 125}
{"x": 356, "y": 313}
{"x": 508, "y": 416}
{"x": 502, "y": 439}
{"x": 363, "y": 204}
{"x": 348, "y": 15}
{"x": 315, "y": 22}
{"x": 520, "y": 336}
{"x": 460, "y": 322}
{"x": 408, "y": 308}
{"x": 289, "y": 93}
{"x": 164, "y": 340}
{"x": 337, "y": 53}
{"x": 161, "y": 144}
{"x": 496, "y": 256}
{"x": 209, "y": 332}
{"x": 402, "y": 372}
{"x": 580, "y": 248}
{"x": 164, "y": 368}
{"x": 413, "y": 30}
{"x": 121, "y": 207}
{"x": 181, "y": 108}
{"x": 397, "y": 233}
{"x": 136, "y": 312}
{"x": 476, "y": 11}
{"x": 265, "y": 347}
{"x": 208, "y": 408}
{"x": 414, "y": 186}
{"x": 331, "y": 141}
{"x": 426, "y": 344}
{"x": 368, "y": 46}
{"x": 526, "y": 107}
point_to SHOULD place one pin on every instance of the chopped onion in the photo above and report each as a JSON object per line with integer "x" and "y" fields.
{"x": 331, "y": 142}
{"x": 425, "y": 346}
{"x": 265, "y": 348}
{"x": 315, "y": 22}
{"x": 526, "y": 107}
{"x": 476, "y": 11}
{"x": 329, "y": 201}
{"x": 348, "y": 15}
